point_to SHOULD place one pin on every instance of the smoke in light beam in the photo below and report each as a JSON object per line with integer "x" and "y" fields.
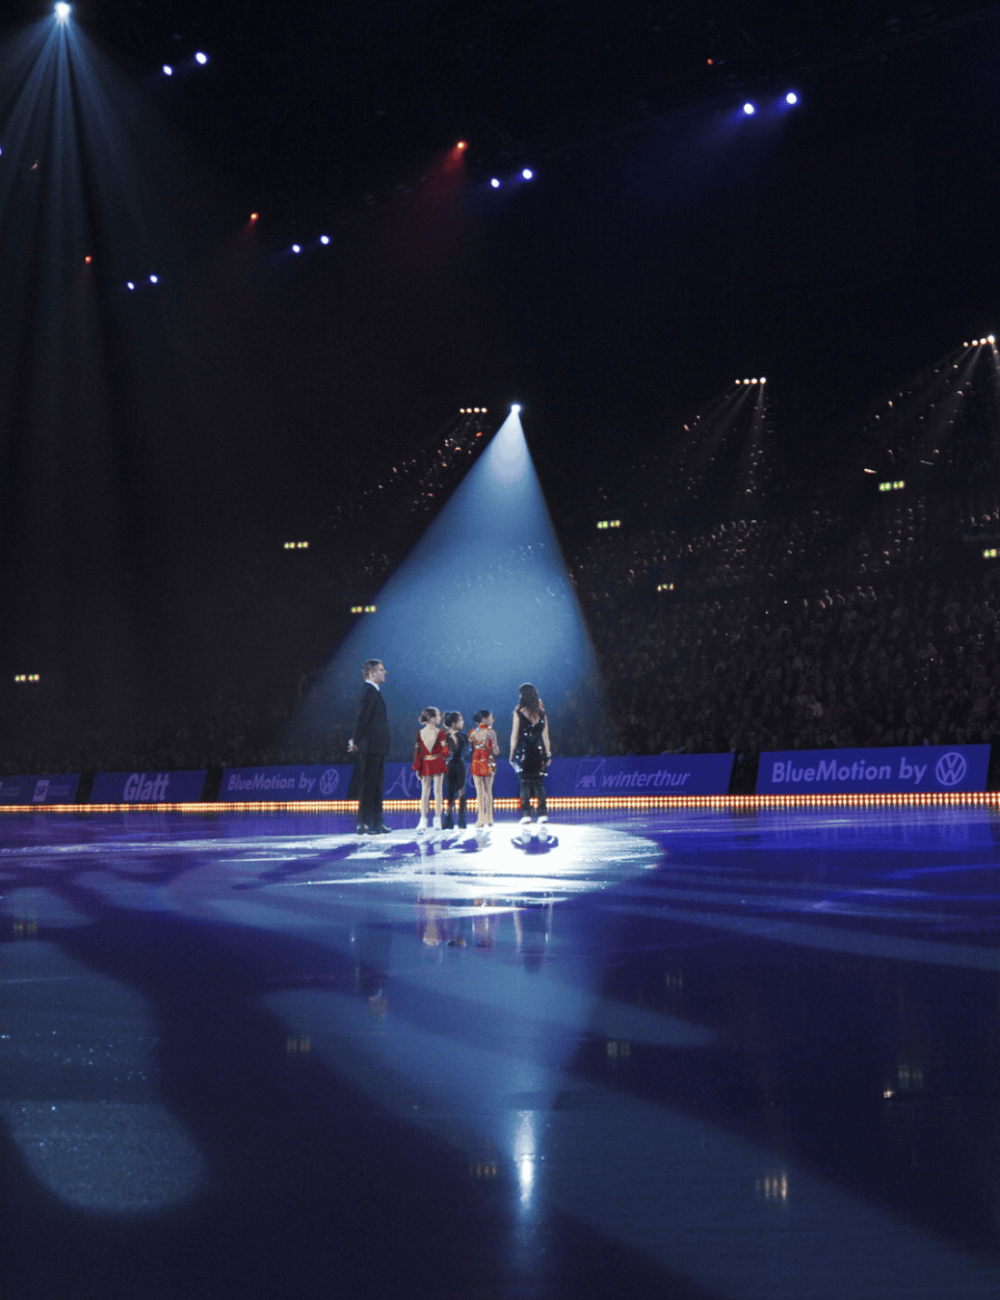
{"x": 481, "y": 604}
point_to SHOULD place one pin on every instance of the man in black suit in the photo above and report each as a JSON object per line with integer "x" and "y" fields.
{"x": 371, "y": 743}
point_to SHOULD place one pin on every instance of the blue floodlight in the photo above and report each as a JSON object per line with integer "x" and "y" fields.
{"x": 63, "y": 11}
{"x": 130, "y": 284}
{"x": 154, "y": 279}
{"x": 201, "y": 58}
{"x": 324, "y": 239}
{"x": 495, "y": 183}
{"x": 296, "y": 248}
{"x": 168, "y": 70}
{"x": 791, "y": 97}
{"x": 528, "y": 174}
{"x": 749, "y": 109}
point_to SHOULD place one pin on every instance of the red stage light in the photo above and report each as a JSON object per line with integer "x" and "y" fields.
{"x": 88, "y": 259}
{"x": 254, "y": 216}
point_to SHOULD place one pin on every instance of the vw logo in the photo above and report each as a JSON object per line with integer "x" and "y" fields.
{"x": 329, "y": 781}
{"x": 950, "y": 768}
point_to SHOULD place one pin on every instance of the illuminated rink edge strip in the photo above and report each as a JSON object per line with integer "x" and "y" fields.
{"x": 665, "y": 803}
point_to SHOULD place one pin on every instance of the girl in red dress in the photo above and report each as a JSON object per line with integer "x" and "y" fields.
{"x": 485, "y": 747}
{"x": 430, "y": 762}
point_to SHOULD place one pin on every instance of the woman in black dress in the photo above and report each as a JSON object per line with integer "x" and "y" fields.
{"x": 454, "y": 779}
{"x": 531, "y": 751}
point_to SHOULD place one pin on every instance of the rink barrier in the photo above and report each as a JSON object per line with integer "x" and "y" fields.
{"x": 34, "y": 791}
{"x": 596, "y": 783}
{"x": 663, "y": 803}
{"x": 889, "y": 769}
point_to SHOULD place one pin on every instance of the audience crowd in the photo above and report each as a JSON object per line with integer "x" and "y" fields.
{"x": 870, "y": 619}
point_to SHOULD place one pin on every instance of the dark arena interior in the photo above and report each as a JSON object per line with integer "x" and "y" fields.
{"x": 641, "y": 352}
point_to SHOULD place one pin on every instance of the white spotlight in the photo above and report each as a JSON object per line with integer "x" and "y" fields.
{"x": 168, "y": 70}
{"x": 990, "y": 338}
{"x": 791, "y": 97}
{"x": 296, "y": 248}
{"x": 495, "y": 183}
{"x": 201, "y": 58}
{"x": 528, "y": 174}
{"x": 515, "y": 408}
{"x": 62, "y": 12}
{"x": 324, "y": 239}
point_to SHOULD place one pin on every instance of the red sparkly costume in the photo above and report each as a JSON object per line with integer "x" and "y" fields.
{"x": 484, "y": 750}
{"x": 433, "y": 761}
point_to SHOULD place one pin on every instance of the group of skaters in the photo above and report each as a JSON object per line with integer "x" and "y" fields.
{"x": 439, "y": 756}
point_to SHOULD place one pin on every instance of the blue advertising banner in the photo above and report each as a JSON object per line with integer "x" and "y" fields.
{"x": 401, "y": 782}
{"x": 654, "y": 775}
{"x": 148, "y": 787}
{"x": 922, "y": 768}
{"x": 264, "y": 784}
{"x": 575, "y": 778}
{"x": 39, "y": 789}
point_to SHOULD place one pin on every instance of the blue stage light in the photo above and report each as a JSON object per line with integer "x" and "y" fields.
{"x": 201, "y": 58}
{"x": 130, "y": 284}
{"x": 168, "y": 70}
{"x": 791, "y": 97}
{"x": 324, "y": 239}
{"x": 296, "y": 248}
{"x": 749, "y": 109}
{"x": 154, "y": 279}
{"x": 495, "y": 183}
{"x": 528, "y": 174}
{"x": 63, "y": 12}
